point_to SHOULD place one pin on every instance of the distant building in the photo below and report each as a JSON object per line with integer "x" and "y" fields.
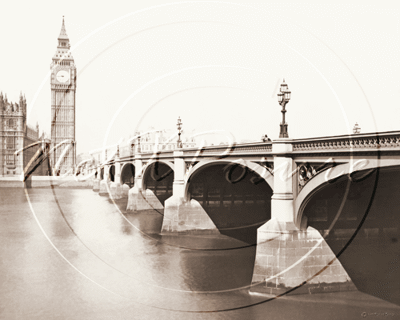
{"x": 160, "y": 140}
{"x": 15, "y": 134}
{"x": 150, "y": 141}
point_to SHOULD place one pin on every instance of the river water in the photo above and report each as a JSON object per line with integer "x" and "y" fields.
{"x": 71, "y": 254}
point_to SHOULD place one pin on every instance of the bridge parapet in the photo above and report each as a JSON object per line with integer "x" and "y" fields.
{"x": 236, "y": 150}
{"x": 148, "y": 155}
{"x": 353, "y": 142}
{"x": 382, "y": 141}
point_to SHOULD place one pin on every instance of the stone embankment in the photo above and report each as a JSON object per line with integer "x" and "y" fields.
{"x": 45, "y": 182}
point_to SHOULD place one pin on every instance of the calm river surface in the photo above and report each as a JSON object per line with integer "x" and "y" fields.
{"x": 71, "y": 254}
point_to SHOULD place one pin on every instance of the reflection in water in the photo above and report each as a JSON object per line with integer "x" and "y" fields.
{"x": 232, "y": 268}
{"x": 128, "y": 270}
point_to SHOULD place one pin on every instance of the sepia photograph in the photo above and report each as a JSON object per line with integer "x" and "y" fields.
{"x": 199, "y": 160}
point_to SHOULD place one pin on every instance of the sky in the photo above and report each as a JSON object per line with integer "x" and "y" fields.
{"x": 215, "y": 64}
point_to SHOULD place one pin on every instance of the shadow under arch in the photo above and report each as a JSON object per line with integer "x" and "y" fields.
{"x": 158, "y": 176}
{"x": 128, "y": 174}
{"x": 235, "y": 197}
{"x": 261, "y": 171}
{"x": 363, "y": 234}
{"x": 111, "y": 173}
{"x": 331, "y": 175}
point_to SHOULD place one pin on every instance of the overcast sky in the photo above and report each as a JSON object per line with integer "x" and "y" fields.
{"x": 215, "y": 64}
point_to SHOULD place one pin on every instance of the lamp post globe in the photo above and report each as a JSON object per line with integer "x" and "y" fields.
{"x": 280, "y": 97}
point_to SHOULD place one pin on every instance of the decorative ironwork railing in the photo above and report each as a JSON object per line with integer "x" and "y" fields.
{"x": 349, "y": 142}
{"x": 251, "y": 148}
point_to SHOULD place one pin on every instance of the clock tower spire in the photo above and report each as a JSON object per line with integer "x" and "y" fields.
{"x": 63, "y": 89}
{"x": 63, "y": 40}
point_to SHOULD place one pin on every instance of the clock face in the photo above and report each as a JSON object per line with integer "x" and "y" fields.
{"x": 62, "y": 76}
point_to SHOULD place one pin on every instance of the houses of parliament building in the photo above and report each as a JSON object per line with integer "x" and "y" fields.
{"x": 16, "y": 134}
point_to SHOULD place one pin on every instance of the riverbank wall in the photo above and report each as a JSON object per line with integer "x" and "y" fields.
{"x": 45, "y": 182}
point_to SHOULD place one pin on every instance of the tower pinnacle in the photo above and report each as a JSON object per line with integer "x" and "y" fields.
{"x": 63, "y": 33}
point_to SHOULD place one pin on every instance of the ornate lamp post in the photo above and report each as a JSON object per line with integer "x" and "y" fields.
{"x": 283, "y": 99}
{"x": 179, "y": 126}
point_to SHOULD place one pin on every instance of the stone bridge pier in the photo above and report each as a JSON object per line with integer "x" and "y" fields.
{"x": 181, "y": 214}
{"x": 290, "y": 257}
{"x": 116, "y": 186}
{"x": 140, "y": 198}
{"x": 96, "y": 180}
{"x": 105, "y": 182}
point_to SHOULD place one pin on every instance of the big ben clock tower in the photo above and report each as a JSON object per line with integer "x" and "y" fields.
{"x": 63, "y": 89}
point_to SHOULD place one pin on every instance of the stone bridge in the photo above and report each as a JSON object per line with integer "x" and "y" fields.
{"x": 319, "y": 209}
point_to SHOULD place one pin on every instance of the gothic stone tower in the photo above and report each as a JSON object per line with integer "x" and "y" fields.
{"x": 63, "y": 89}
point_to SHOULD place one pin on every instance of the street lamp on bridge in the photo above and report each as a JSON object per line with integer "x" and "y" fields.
{"x": 283, "y": 99}
{"x": 179, "y": 125}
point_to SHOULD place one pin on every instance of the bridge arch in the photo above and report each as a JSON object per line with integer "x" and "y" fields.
{"x": 357, "y": 214}
{"x": 235, "y": 197}
{"x": 260, "y": 170}
{"x": 158, "y": 176}
{"x": 332, "y": 174}
{"x": 128, "y": 174}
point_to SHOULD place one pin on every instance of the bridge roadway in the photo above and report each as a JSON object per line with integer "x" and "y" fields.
{"x": 316, "y": 207}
